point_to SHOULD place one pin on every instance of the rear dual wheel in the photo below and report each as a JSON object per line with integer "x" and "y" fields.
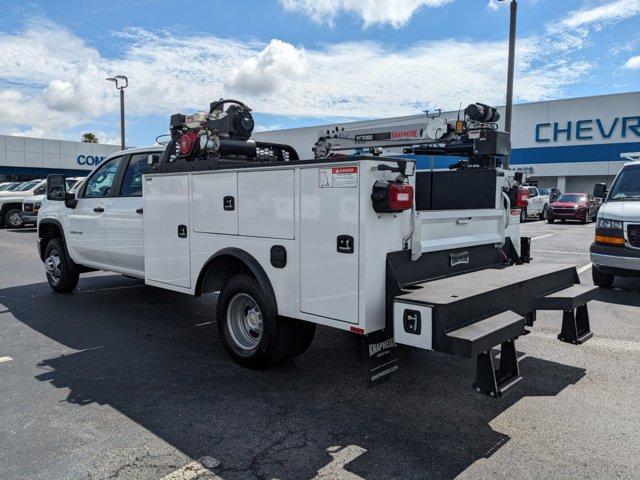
{"x": 251, "y": 334}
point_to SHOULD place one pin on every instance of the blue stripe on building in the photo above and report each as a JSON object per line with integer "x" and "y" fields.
{"x": 605, "y": 152}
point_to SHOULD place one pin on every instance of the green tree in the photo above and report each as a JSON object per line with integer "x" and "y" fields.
{"x": 89, "y": 138}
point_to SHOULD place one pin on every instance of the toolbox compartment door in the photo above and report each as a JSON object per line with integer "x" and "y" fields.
{"x": 329, "y": 277}
{"x": 167, "y": 230}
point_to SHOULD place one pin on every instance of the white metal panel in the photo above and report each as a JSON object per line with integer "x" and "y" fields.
{"x": 266, "y": 203}
{"x": 86, "y": 235}
{"x": 166, "y": 207}
{"x": 209, "y": 191}
{"x": 124, "y": 233}
{"x": 328, "y": 279}
{"x": 448, "y": 229}
{"x": 34, "y": 159}
{"x": 423, "y": 339}
{"x": 51, "y": 146}
{"x": 33, "y": 145}
{"x": 15, "y": 158}
{"x": 15, "y": 144}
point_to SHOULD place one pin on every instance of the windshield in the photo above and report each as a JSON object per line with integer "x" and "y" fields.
{"x": 572, "y": 198}
{"x": 544, "y": 191}
{"x": 626, "y": 185}
{"x": 23, "y": 187}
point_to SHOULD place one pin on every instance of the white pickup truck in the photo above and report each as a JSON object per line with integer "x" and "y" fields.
{"x": 339, "y": 241}
{"x": 538, "y": 203}
{"x": 11, "y": 202}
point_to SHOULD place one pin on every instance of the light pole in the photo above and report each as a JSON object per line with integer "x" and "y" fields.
{"x": 121, "y": 82}
{"x": 510, "y": 71}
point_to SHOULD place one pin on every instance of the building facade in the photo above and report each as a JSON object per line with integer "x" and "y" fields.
{"x": 570, "y": 144}
{"x": 25, "y": 158}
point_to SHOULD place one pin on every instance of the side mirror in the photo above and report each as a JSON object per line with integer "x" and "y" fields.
{"x": 70, "y": 200}
{"x": 600, "y": 190}
{"x": 56, "y": 187}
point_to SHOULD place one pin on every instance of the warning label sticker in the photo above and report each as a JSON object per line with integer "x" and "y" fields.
{"x": 338, "y": 177}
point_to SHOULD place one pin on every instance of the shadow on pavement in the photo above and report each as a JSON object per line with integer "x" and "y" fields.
{"x": 141, "y": 353}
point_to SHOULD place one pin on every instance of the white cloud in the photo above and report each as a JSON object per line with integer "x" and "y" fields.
{"x": 608, "y": 12}
{"x": 393, "y": 12}
{"x": 633, "y": 63}
{"x": 262, "y": 73}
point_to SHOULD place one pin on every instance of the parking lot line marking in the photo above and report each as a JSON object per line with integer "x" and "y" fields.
{"x": 542, "y": 236}
{"x": 203, "y": 323}
{"x": 341, "y": 456}
{"x": 195, "y": 469}
{"x": 110, "y": 288}
{"x": 558, "y": 251}
{"x": 585, "y": 268}
{"x": 5, "y": 359}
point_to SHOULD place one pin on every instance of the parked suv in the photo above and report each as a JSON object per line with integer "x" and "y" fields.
{"x": 11, "y": 202}
{"x": 616, "y": 249}
{"x": 573, "y": 206}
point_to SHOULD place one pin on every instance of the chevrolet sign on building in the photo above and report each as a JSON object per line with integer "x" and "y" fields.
{"x": 25, "y": 157}
{"x": 571, "y": 144}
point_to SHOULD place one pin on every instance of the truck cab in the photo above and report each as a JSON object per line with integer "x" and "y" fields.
{"x": 104, "y": 229}
{"x": 616, "y": 247}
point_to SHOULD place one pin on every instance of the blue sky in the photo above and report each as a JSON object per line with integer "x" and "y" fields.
{"x": 297, "y": 62}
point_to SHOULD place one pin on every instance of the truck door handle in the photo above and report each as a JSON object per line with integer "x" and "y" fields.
{"x": 463, "y": 221}
{"x": 98, "y": 209}
{"x": 140, "y": 211}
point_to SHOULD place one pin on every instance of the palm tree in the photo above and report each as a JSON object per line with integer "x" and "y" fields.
{"x": 89, "y": 138}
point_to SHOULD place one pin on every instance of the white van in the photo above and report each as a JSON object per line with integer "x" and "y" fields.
{"x": 616, "y": 249}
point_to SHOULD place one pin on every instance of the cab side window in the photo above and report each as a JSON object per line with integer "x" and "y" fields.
{"x": 132, "y": 181}
{"x": 100, "y": 183}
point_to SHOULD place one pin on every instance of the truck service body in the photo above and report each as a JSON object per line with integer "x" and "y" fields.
{"x": 339, "y": 240}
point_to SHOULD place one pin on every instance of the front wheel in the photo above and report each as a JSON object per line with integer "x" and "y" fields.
{"x": 61, "y": 277}
{"x": 543, "y": 214}
{"x": 13, "y": 218}
{"x": 550, "y": 220}
{"x": 601, "y": 279}
{"x": 251, "y": 335}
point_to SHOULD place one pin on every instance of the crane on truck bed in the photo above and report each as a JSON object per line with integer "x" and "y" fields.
{"x": 362, "y": 243}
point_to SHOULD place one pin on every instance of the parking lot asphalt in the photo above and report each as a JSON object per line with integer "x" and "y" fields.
{"x": 120, "y": 380}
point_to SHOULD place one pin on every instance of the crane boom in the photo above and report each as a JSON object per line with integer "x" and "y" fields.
{"x": 476, "y": 137}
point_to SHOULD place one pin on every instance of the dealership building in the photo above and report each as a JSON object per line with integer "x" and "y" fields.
{"x": 25, "y": 158}
{"x": 570, "y": 144}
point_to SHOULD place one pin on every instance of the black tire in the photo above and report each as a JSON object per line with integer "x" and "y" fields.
{"x": 303, "y": 333}
{"x": 585, "y": 219}
{"x": 601, "y": 279}
{"x": 543, "y": 215}
{"x": 273, "y": 343}
{"x": 523, "y": 215}
{"x": 550, "y": 220}
{"x": 62, "y": 277}
{"x": 563, "y": 220}
{"x": 12, "y": 218}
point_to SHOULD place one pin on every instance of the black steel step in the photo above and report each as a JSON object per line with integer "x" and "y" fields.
{"x": 568, "y": 298}
{"x": 482, "y": 335}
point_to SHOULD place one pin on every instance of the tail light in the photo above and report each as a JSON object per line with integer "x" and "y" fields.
{"x": 187, "y": 141}
{"x": 522, "y": 196}
{"x": 388, "y": 197}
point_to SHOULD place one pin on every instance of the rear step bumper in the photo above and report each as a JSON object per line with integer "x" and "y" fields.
{"x": 470, "y": 314}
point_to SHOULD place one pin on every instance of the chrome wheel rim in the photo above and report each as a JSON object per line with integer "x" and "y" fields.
{"x": 15, "y": 219}
{"x": 52, "y": 266}
{"x": 244, "y": 320}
